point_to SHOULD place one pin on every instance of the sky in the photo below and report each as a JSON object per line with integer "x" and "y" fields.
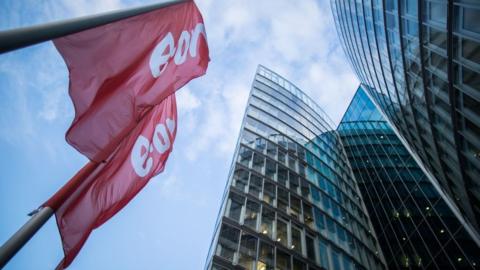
{"x": 169, "y": 224}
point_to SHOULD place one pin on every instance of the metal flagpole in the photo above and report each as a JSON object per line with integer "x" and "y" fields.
{"x": 19, "y": 38}
{"x": 41, "y": 216}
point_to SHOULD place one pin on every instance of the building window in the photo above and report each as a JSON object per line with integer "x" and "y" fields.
{"x": 268, "y": 217}
{"x": 471, "y": 78}
{"x": 283, "y": 260}
{"x": 323, "y": 250}
{"x": 437, "y": 12}
{"x": 282, "y": 232}
{"x": 236, "y": 203}
{"x": 411, "y": 7}
{"x": 240, "y": 179}
{"x": 282, "y": 202}
{"x": 295, "y": 207}
{"x": 319, "y": 219}
{"x": 248, "y": 251}
{"x": 258, "y": 162}
{"x": 228, "y": 242}
{"x": 307, "y": 215}
{"x": 271, "y": 169}
{"x": 310, "y": 245}
{"x": 251, "y": 214}
{"x": 298, "y": 265}
{"x": 336, "y": 260}
{"x": 471, "y": 50}
{"x": 296, "y": 239}
{"x": 268, "y": 192}
{"x": 470, "y": 20}
{"x": 245, "y": 156}
{"x": 438, "y": 38}
{"x": 255, "y": 187}
{"x": 266, "y": 257}
{"x": 282, "y": 175}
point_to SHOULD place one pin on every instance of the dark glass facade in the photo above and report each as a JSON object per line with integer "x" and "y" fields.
{"x": 291, "y": 201}
{"x": 415, "y": 227}
{"x": 420, "y": 62}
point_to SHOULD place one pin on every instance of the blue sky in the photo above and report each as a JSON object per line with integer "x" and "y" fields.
{"x": 169, "y": 225}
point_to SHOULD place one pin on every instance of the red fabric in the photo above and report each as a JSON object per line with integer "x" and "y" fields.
{"x": 115, "y": 72}
{"x": 113, "y": 184}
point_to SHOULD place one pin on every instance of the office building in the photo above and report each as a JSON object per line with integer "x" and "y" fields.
{"x": 291, "y": 201}
{"x": 420, "y": 62}
{"x": 416, "y": 229}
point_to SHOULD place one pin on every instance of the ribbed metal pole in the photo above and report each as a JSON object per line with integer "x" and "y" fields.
{"x": 21, "y": 237}
{"x": 19, "y": 38}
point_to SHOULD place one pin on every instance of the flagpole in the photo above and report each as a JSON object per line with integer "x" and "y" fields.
{"x": 41, "y": 216}
{"x": 22, "y": 37}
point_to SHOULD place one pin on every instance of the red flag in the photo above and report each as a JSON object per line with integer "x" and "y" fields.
{"x": 113, "y": 184}
{"x": 118, "y": 71}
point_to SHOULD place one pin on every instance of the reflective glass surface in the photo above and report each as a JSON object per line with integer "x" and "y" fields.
{"x": 291, "y": 201}
{"x": 420, "y": 61}
{"x": 415, "y": 227}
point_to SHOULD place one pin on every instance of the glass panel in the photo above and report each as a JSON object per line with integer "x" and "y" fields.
{"x": 319, "y": 219}
{"x": 271, "y": 169}
{"x": 295, "y": 207}
{"x": 236, "y": 203}
{"x": 266, "y": 257}
{"x": 282, "y": 202}
{"x": 296, "y": 239}
{"x": 268, "y": 217}
{"x": 471, "y": 50}
{"x": 307, "y": 215}
{"x": 292, "y": 162}
{"x": 336, "y": 260}
{"x": 228, "y": 242}
{"x": 283, "y": 260}
{"x": 240, "y": 179}
{"x": 271, "y": 150}
{"x": 310, "y": 245}
{"x": 268, "y": 192}
{"x": 471, "y": 78}
{"x": 245, "y": 156}
{"x": 248, "y": 251}
{"x": 255, "y": 186}
{"x": 470, "y": 19}
{"x": 251, "y": 214}
{"x": 438, "y": 38}
{"x": 293, "y": 180}
{"x": 323, "y": 251}
{"x": 282, "y": 232}
{"x": 281, "y": 155}
{"x": 258, "y": 162}
{"x": 438, "y": 12}
{"x": 298, "y": 265}
{"x": 260, "y": 144}
{"x": 282, "y": 176}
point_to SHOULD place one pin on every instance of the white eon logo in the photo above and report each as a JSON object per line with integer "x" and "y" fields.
{"x": 140, "y": 157}
{"x": 187, "y": 44}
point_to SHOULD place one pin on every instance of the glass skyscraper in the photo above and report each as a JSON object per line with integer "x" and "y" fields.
{"x": 291, "y": 200}
{"x": 420, "y": 62}
{"x": 415, "y": 227}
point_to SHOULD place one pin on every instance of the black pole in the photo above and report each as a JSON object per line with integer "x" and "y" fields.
{"x": 19, "y": 38}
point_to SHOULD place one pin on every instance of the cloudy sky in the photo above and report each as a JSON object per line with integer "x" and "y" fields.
{"x": 169, "y": 225}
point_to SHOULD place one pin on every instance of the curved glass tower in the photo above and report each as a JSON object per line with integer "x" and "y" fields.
{"x": 420, "y": 62}
{"x": 291, "y": 201}
{"x": 415, "y": 227}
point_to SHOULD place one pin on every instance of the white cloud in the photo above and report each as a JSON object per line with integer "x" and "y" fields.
{"x": 186, "y": 100}
{"x": 297, "y": 39}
